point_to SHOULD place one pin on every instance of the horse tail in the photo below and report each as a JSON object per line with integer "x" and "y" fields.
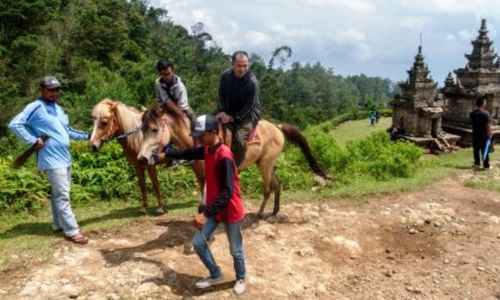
{"x": 294, "y": 135}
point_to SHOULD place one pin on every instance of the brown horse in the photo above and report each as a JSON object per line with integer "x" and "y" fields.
{"x": 113, "y": 119}
{"x": 264, "y": 153}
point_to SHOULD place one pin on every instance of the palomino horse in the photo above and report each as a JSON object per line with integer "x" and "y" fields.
{"x": 264, "y": 153}
{"x": 113, "y": 119}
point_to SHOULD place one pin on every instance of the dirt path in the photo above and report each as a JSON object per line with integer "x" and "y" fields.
{"x": 442, "y": 242}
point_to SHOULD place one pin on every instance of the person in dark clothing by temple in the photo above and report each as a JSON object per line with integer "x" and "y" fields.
{"x": 239, "y": 104}
{"x": 481, "y": 132}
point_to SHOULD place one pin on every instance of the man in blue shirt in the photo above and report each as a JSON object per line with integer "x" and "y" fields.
{"x": 45, "y": 116}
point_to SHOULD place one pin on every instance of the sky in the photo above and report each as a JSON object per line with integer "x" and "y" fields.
{"x": 372, "y": 37}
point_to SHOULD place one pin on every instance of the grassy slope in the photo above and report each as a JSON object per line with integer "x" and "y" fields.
{"x": 26, "y": 236}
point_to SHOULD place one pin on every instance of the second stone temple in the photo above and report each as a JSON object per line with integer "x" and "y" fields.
{"x": 419, "y": 109}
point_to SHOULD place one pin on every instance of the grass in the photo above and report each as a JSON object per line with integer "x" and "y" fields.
{"x": 27, "y": 236}
{"x": 358, "y": 129}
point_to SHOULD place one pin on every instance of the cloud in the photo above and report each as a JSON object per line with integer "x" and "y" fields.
{"x": 486, "y": 8}
{"x": 256, "y": 38}
{"x": 345, "y": 34}
{"x": 414, "y": 22}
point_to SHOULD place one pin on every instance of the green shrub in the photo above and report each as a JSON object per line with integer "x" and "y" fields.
{"x": 107, "y": 176}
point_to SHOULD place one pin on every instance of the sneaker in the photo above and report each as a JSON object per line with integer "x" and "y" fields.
{"x": 476, "y": 167}
{"x": 239, "y": 286}
{"x": 208, "y": 282}
{"x": 186, "y": 162}
{"x": 172, "y": 163}
{"x": 488, "y": 168}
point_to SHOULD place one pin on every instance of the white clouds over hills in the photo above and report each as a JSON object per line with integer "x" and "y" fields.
{"x": 377, "y": 37}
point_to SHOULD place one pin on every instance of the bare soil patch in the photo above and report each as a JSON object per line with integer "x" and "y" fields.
{"x": 442, "y": 242}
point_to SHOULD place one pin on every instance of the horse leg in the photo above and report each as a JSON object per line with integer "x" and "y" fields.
{"x": 266, "y": 171}
{"x": 276, "y": 187}
{"x": 142, "y": 184}
{"x": 153, "y": 175}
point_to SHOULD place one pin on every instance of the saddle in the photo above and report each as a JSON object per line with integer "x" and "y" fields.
{"x": 254, "y": 137}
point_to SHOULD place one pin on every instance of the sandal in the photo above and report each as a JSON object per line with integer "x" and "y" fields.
{"x": 78, "y": 239}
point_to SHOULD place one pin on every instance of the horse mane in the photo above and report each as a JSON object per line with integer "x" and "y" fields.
{"x": 174, "y": 111}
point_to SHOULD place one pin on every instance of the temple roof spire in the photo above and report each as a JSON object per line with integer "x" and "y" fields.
{"x": 482, "y": 55}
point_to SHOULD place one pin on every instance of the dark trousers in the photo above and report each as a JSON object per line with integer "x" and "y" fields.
{"x": 191, "y": 116}
{"x": 478, "y": 149}
{"x": 240, "y": 133}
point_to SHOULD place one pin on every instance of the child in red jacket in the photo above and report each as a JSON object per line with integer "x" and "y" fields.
{"x": 223, "y": 201}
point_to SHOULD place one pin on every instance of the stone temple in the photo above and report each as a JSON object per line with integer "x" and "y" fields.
{"x": 419, "y": 109}
{"x": 480, "y": 77}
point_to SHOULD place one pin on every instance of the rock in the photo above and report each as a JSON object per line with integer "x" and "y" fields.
{"x": 350, "y": 245}
{"x": 310, "y": 215}
{"x": 446, "y": 261}
{"x": 407, "y": 210}
{"x": 146, "y": 288}
{"x": 31, "y": 289}
{"x": 112, "y": 296}
{"x": 326, "y": 239}
{"x": 480, "y": 269}
{"x": 266, "y": 230}
{"x": 413, "y": 231}
{"x": 324, "y": 208}
{"x": 437, "y": 224}
{"x": 307, "y": 251}
{"x": 414, "y": 290}
{"x": 494, "y": 220}
{"x": 70, "y": 290}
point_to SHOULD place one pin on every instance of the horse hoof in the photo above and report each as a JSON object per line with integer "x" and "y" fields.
{"x": 143, "y": 211}
{"x": 160, "y": 211}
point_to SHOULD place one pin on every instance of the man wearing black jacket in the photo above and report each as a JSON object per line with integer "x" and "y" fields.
{"x": 481, "y": 132}
{"x": 239, "y": 104}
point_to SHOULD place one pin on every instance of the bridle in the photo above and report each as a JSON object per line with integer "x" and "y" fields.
{"x": 114, "y": 127}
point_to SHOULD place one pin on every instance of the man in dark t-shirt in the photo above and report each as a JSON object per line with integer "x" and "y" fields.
{"x": 481, "y": 132}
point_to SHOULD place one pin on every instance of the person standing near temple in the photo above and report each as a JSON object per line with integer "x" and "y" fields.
{"x": 481, "y": 133}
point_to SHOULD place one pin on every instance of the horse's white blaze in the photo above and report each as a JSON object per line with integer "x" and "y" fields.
{"x": 92, "y": 136}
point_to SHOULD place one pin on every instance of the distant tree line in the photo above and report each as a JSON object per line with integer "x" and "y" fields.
{"x": 108, "y": 48}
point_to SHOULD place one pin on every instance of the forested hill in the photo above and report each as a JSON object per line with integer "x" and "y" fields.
{"x": 108, "y": 48}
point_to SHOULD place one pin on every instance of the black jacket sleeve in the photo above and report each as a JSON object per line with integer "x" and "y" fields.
{"x": 225, "y": 170}
{"x": 189, "y": 154}
{"x": 222, "y": 104}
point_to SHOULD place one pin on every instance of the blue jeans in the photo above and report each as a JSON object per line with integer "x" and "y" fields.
{"x": 233, "y": 232}
{"x": 62, "y": 215}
